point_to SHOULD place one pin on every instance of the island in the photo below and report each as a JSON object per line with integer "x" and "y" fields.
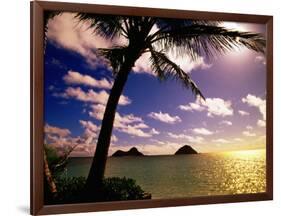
{"x": 132, "y": 152}
{"x": 186, "y": 149}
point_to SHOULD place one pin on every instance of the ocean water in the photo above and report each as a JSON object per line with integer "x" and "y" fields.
{"x": 177, "y": 176}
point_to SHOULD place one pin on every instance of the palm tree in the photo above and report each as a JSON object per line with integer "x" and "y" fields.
{"x": 184, "y": 37}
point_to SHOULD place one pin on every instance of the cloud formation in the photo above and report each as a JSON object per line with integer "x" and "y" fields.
{"x": 248, "y": 134}
{"x": 129, "y": 123}
{"x": 61, "y": 132}
{"x": 221, "y": 140}
{"x": 261, "y": 123}
{"x": 85, "y": 144}
{"x": 100, "y": 97}
{"x": 202, "y": 131}
{"x": 260, "y": 59}
{"x": 76, "y": 78}
{"x": 65, "y": 31}
{"x": 164, "y": 117}
{"x": 191, "y": 139}
{"x": 213, "y": 106}
{"x": 243, "y": 113}
{"x": 257, "y": 102}
{"x": 225, "y": 122}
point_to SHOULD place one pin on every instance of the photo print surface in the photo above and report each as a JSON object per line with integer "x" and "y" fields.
{"x": 152, "y": 108}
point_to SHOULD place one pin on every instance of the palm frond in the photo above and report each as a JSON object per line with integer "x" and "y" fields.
{"x": 107, "y": 26}
{"x": 116, "y": 56}
{"x": 171, "y": 23}
{"x": 197, "y": 40}
{"x": 165, "y": 68}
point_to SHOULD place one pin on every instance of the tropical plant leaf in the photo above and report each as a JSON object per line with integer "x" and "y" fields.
{"x": 116, "y": 56}
{"x": 204, "y": 40}
{"x": 107, "y": 26}
{"x": 165, "y": 68}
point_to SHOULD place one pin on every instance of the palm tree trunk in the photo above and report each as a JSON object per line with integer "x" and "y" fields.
{"x": 48, "y": 176}
{"x": 96, "y": 174}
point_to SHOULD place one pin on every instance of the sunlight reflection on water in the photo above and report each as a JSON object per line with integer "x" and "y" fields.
{"x": 187, "y": 175}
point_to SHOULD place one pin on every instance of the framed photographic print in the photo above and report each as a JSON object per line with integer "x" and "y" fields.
{"x": 141, "y": 107}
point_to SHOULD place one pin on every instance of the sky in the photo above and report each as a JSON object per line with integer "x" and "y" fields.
{"x": 157, "y": 117}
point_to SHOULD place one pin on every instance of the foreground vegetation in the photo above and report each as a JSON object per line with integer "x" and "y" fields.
{"x": 72, "y": 189}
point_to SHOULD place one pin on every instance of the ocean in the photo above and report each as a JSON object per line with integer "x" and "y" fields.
{"x": 178, "y": 176}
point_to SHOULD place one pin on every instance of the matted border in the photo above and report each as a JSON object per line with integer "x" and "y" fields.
{"x": 37, "y": 121}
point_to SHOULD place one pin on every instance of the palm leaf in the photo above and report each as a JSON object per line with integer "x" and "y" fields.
{"x": 116, "y": 56}
{"x": 204, "y": 40}
{"x": 165, "y": 68}
{"x": 171, "y": 23}
{"x": 107, "y": 26}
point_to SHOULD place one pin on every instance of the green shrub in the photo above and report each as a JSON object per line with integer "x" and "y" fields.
{"x": 122, "y": 189}
{"x": 71, "y": 190}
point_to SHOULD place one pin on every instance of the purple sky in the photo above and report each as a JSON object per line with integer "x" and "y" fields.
{"x": 156, "y": 117}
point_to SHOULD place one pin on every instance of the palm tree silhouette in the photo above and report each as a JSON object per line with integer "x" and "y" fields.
{"x": 194, "y": 38}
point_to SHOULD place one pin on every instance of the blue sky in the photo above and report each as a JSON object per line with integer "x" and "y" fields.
{"x": 156, "y": 116}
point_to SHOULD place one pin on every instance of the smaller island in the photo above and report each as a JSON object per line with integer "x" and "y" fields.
{"x": 186, "y": 149}
{"x": 132, "y": 152}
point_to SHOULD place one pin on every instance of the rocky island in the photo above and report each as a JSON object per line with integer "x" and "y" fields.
{"x": 186, "y": 149}
{"x": 132, "y": 152}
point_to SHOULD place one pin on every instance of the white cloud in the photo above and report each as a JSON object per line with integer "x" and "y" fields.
{"x": 100, "y": 97}
{"x": 97, "y": 111}
{"x": 61, "y": 140}
{"x": 260, "y": 59}
{"x": 142, "y": 65}
{"x": 177, "y": 136}
{"x": 130, "y": 129}
{"x": 238, "y": 139}
{"x": 191, "y": 107}
{"x": 63, "y": 144}
{"x": 202, "y": 131}
{"x": 130, "y": 124}
{"x": 84, "y": 145}
{"x": 225, "y": 122}
{"x": 249, "y": 127}
{"x": 165, "y": 117}
{"x": 61, "y": 132}
{"x": 120, "y": 120}
{"x": 243, "y": 113}
{"x": 141, "y": 125}
{"x": 261, "y": 123}
{"x": 154, "y": 131}
{"x": 114, "y": 138}
{"x": 91, "y": 131}
{"x": 218, "y": 107}
{"x": 257, "y": 102}
{"x": 73, "y": 77}
{"x": 191, "y": 139}
{"x": 213, "y": 106}
{"x": 90, "y": 125}
{"x": 65, "y": 31}
{"x": 221, "y": 141}
{"x": 128, "y": 119}
{"x": 248, "y": 133}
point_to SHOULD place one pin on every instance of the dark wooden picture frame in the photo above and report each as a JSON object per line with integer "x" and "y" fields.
{"x": 37, "y": 104}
